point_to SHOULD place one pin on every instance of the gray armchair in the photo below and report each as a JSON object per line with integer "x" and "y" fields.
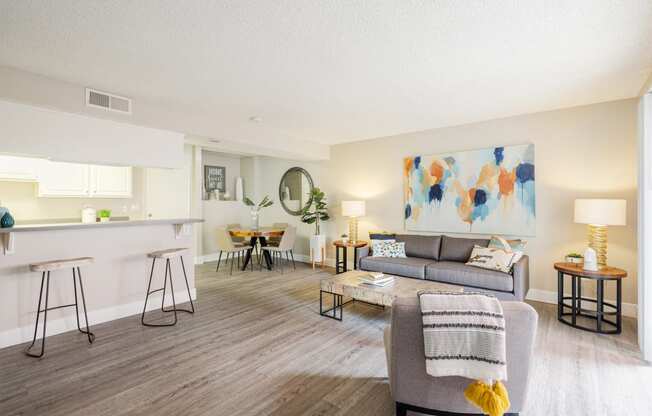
{"x": 413, "y": 389}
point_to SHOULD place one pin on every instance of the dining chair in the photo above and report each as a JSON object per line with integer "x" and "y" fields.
{"x": 275, "y": 241}
{"x": 226, "y": 245}
{"x": 286, "y": 246}
{"x": 242, "y": 240}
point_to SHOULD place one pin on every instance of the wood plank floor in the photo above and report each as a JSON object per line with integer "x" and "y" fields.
{"x": 257, "y": 346}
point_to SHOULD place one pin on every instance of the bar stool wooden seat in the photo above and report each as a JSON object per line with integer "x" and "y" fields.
{"x": 167, "y": 255}
{"x": 45, "y": 268}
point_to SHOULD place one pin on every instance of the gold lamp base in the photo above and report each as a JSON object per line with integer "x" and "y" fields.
{"x": 353, "y": 229}
{"x": 598, "y": 242}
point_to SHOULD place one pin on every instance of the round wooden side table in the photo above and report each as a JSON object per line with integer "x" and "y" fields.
{"x": 577, "y": 273}
{"x": 341, "y": 265}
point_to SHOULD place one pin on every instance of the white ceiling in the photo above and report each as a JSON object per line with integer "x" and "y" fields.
{"x": 338, "y": 70}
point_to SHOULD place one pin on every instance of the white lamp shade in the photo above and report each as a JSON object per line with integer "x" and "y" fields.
{"x": 601, "y": 211}
{"x": 353, "y": 208}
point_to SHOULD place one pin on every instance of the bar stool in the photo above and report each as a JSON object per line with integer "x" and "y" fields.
{"x": 45, "y": 268}
{"x": 167, "y": 255}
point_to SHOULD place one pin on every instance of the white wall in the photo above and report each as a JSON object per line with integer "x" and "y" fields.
{"x": 24, "y": 87}
{"x": 34, "y": 131}
{"x": 645, "y": 227}
{"x": 114, "y": 285}
{"x": 580, "y": 152}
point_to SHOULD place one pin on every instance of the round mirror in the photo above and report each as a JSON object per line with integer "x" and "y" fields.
{"x": 295, "y": 190}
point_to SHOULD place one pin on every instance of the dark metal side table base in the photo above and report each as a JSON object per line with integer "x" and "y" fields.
{"x": 569, "y": 308}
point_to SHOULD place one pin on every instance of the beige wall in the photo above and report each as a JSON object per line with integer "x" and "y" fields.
{"x": 588, "y": 151}
{"x": 21, "y": 199}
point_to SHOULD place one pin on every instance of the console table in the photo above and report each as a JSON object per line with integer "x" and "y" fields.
{"x": 577, "y": 273}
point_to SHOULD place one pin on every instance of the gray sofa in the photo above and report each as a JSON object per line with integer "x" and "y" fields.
{"x": 413, "y": 389}
{"x": 442, "y": 259}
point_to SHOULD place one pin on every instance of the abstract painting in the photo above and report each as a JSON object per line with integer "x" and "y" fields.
{"x": 487, "y": 191}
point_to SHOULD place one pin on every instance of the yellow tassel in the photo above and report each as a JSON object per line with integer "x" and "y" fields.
{"x": 493, "y": 400}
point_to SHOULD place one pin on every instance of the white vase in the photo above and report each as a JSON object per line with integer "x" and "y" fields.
{"x": 239, "y": 190}
{"x": 255, "y": 217}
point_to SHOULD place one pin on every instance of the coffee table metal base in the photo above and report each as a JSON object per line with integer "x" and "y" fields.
{"x": 337, "y": 310}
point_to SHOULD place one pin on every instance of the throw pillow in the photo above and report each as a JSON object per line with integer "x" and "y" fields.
{"x": 514, "y": 245}
{"x": 491, "y": 258}
{"x": 376, "y": 246}
{"x": 393, "y": 249}
{"x": 510, "y": 246}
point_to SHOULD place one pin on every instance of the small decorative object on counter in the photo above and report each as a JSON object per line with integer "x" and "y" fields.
{"x": 7, "y": 221}
{"x": 574, "y": 258}
{"x": 590, "y": 260}
{"x": 105, "y": 215}
{"x": 3, "y": 210}
{"x": 344, "y": 238}
{"x": 88, "y": 215}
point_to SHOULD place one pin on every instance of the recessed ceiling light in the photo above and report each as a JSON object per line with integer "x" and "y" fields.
{"x": 255, "y": 119}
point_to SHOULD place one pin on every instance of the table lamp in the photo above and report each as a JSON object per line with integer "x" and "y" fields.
{"x": 353, "y": 210}
{"x": 598, "y": 214}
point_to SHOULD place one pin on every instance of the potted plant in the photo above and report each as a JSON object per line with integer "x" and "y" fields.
{"x": 574, "y": 258}
{"x": 344, "y": 238}
{"x": 104, "y": 214}
{"x": 315, "y": 213}
{"x": 255, "y": 209}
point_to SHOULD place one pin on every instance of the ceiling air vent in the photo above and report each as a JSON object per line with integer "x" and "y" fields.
{"x": 107, "y": 101}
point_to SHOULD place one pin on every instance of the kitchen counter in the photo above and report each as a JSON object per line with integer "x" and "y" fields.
{"x": 49, "y": 226}
{"x": 8, "y": 235}
{"x": 115, "y": 284}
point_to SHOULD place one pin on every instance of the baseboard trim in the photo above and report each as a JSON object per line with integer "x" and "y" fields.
{"x": 549, "y": 296}
{"x": 303, "y": 258}
{"x": 69, "y": 322}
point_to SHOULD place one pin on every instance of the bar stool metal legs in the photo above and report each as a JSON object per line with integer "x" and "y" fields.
{"x": 174, "y": 309}
{"x": 45, "y": 284}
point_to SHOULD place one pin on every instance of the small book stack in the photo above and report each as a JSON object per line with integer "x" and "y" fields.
{"x": 376, "y": 279}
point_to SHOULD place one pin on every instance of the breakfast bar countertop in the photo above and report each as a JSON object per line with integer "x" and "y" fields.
{"x": 55, "y": 226}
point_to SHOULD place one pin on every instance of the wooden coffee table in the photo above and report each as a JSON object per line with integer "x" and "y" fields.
{"x": 348, "y": 285}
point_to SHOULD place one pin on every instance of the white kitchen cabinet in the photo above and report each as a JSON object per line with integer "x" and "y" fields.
{"x": 59, "y": 179}
{"x": 18, "y": 169}
{"x": 110, "y": 182}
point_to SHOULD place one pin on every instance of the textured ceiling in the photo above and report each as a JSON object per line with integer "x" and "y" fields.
{"x": 339, "y": 70}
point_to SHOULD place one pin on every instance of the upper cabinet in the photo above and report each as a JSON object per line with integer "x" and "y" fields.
{"x": 58, "y": 179}
{"x": 18, "y": 168}
{"x": 73, "y": 180}
{"x": 68, "y": 180}
{"x": 110, "y": 182}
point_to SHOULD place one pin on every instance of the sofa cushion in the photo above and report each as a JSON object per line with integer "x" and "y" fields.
{"x": 424, "y": 246}
{"x": 400, "y": 266}
{"x": 461, "y": 274}
{"x": 459, "y": 249}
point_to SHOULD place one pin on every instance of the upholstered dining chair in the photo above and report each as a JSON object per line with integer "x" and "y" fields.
{"x": 275, "y": 241}
{"x": 243, "y": 241}
{"x": 285, "y": 246}
{"x": 226, "y": 245}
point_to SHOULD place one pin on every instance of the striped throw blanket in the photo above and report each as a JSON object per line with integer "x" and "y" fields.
{"x": 464, "y": 335}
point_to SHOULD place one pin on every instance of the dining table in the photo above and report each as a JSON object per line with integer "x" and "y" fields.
{"x": 257, "y": 235}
